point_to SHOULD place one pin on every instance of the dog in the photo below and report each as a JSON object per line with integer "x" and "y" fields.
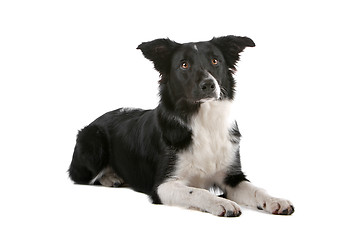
{"x": 185, "y": 146}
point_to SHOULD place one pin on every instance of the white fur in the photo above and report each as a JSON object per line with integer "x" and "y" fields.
{"x": 195, "y": 47}
{"x": 212, "y": 152}
{"x": 177, "y": 193}
{"x": 205, "y": 163}
{"x": 249, "y": 195}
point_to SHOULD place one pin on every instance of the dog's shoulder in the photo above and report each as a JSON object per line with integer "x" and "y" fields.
{"x": 175, "y": 130}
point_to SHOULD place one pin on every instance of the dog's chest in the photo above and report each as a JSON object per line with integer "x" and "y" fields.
{"x": 212, "y": 152}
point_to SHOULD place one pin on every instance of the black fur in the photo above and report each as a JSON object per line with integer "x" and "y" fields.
{"x": 141, "y": 146}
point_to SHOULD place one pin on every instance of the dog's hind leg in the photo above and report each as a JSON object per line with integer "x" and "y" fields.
{"x": 108, "y": 178}
{"x": 91, "y": 155}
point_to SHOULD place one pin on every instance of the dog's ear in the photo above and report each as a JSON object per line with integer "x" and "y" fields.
{"x": 231, "y": 47}
{"x": 159, "y": 51}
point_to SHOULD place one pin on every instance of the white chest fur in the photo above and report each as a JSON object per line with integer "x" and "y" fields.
{"x": 211, "y": 153}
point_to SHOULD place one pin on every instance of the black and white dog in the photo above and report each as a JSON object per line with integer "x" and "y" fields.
{"x": 190, "y": 143}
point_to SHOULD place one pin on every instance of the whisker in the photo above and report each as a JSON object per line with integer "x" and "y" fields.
{"x": 223, "y": 92}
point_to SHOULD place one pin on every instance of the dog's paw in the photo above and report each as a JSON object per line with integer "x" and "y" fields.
{"x": 111, "y": 180}
{"x": 224, "y": 208}
{"x": 278, "y": 206}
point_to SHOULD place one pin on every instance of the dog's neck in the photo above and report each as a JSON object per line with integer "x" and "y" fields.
{"x": 214, "y": 114}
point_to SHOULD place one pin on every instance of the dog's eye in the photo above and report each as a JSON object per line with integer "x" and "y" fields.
{"x": 185, "y": 65}
{"x": 214, "y": 61}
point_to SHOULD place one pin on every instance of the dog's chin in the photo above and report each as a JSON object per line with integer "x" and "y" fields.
{"x": 204, "y": 100}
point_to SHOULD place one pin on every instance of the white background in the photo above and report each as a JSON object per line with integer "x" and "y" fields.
{"x": 64, "y": 63}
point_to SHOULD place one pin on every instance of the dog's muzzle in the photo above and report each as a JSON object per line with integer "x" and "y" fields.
{"x": 209, "y": 88}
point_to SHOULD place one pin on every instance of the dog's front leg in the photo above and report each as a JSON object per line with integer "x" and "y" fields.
{"x": 247, "y": 194}
{"x": 176, "y": 193}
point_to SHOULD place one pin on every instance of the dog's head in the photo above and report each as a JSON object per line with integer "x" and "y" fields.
{"x": 196, "y": 72}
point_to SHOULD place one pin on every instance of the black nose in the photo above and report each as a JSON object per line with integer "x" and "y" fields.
{"x": 207, "y": 86}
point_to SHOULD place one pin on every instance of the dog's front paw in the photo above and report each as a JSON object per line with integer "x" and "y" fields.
{"x": 278, "y": 206}
{"x": 224, "y": 208}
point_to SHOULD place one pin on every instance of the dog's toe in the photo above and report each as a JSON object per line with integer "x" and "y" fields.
{"x": 225, "y": 208}
{"x": 284, "y": 208}
{"x": 117, "y": 184}
{"x": 232, "y": 213}
{"x": 279, "y": 206}
{"x": 111, "y": 180}
{"x": 288, "y": 211}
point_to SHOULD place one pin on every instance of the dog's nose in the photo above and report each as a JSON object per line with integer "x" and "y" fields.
{"x": 207, "y": 86}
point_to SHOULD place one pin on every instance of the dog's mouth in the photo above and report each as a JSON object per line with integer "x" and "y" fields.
{"x": 208, "y": 99}
{"x": 213, "y": 96}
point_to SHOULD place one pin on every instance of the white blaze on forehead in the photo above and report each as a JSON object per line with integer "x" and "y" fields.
{"x": 195, "y": 47}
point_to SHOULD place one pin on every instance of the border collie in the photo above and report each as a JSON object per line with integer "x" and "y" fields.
{"x": 187, "y": 145}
